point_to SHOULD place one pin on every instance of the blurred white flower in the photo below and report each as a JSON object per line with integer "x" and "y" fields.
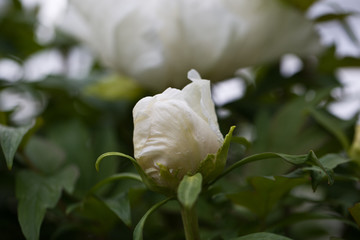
{"x": 157, "y": 41}
{"x": 176, "y": 129}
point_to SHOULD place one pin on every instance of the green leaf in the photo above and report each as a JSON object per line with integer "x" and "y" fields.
{"x": 138, "y": 231}
{"x": 331, "y": 161}
{"x": 262, "y": 236}
{"x": 82, "y": 144}
{"x": 327, "y": 162}
{"x": 17, "y": 34}
{"x": 241, "y": 140}
{"x": 189, "y": 190}
{"x": 120, "y": 205}
{"x": 99, "y": 218}
{"x": 330, "y": 124}
{"x": 355, "y": 213}
{"x": 287, "y": 130}
{"x": 332, "y": 17}
{"x": 309, "y": 159}
{"x": 10, "y": 139}
{"x": 266, "y": 192}
{"x": 295, "y": 218}
{"x": 44, "y": 154}
{"x": 36, "y": 193}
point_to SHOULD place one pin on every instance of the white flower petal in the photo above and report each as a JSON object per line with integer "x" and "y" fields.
{"x": 156, "y": 42}
{"x": 193, "y": 75}
{"x": 176, "y": 129}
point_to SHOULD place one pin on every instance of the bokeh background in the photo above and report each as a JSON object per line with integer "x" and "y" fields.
{"x": 62, "y": 105}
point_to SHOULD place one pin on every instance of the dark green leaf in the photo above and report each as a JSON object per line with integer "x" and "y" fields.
{"x": 138, "y": 232}
{"x": 17, "y": 35}
{"x": 37, "y": 193}
{"x": 302, "y": 5}
{"x": 262, "y": 236}
{"x": 241, "y": 140}
{"x": 307, "y": 216}
{"x": 332, "y": 17}
{"x": 329, "y": 61}
{"x": 355, "y": 213}
{"x": 82, "y": 145}
{"x": 265, "y": 193}
{"x": 10, "y": 138}
{"x": 44, "y": 155}
{"x": 120, "y": 205}
{"x": 288, "y": 130}
{"x": 331, "y": 161}
{"x": 99, "y": 218}
{"x": 331, "y": 125}
{"x": 309, "y": 159}
{"x": 189, "y": 190}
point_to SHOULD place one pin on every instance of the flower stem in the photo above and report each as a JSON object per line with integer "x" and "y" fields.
{"x": 190, "y": 222}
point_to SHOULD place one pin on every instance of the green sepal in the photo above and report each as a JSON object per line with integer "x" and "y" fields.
{"x": 213, "y": 165}
{"x": 172, "y": 181}
{"x": 189, "y": 190}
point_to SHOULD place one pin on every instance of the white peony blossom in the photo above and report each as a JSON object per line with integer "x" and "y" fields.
{"x": 176, "y": 129}
{"x": 156, "y": 41}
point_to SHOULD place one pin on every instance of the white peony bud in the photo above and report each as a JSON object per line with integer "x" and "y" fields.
{"x": 176, "y": 130}
{"x": 155, "y": 42}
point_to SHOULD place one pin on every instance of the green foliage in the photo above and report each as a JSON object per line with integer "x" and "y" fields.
{"x": 189, "y": 190}
{"x": 21, "y": 42}
{"x": 45, "y": 156}
{"x": 10, "y": 138}
{"x": 263, "y": 236}
{"x": 332, "y": 125}
{"x": 309, "y": 159}
{"x": 265, "y": 193}
{"x": 138, "y": 232}
{"x": 333, "y": 16}
{"x": 260, "y": 185}
{"x": 37, "y": 193}
{"x": 355, "y": 212}
{"x": 120, "y": 205}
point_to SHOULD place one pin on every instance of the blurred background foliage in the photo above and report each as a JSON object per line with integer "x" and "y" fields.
{"x": 55, "y": 126}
